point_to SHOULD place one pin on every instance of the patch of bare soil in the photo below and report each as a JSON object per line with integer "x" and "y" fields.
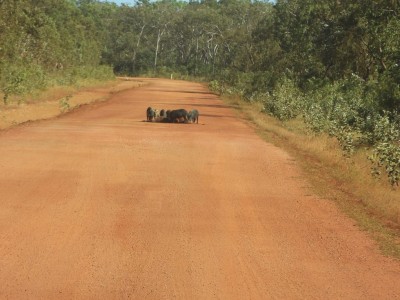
{"x": 99, "y": 204}
{"x": 61, "y": 100}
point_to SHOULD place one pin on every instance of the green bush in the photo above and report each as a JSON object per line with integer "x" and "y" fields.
{"x": 216, "y": 87}
{"x": 285, "y": 102}
{"x": 386, "y": 157}
{"x": 385, "y": 128}
{"x": 64, "y": 104}
{"x": 386, "y": 149}
{"x": 20, "y": 80}
{"x": 347, "y": 137}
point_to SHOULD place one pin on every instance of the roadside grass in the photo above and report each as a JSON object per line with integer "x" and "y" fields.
{"x": 52, "y": 93}
{"x": 57, "y": 100}
{"x": 372, "y": 203}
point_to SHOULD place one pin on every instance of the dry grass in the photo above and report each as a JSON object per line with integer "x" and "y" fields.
{"x": 373, "y": 204}
{"x": 46, "y": 104}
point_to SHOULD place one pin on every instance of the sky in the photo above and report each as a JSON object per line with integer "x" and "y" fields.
{"x": 130, "y": 2}
{"x": 122, "y": 1}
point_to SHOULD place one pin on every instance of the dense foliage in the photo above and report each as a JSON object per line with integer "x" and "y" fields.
{"x": 335, "y": 64}
{"x": 48, "y": 42}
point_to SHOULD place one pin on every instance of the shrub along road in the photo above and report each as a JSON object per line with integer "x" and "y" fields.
{"x": 100, "y": 204}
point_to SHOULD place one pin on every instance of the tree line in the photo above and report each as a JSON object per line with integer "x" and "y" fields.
{"x": 335, "y": 64}
{"x": 49, "y": 42}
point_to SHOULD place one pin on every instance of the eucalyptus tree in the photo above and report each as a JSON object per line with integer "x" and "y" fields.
{"x": 240, "y": 18}
{"x": 98, "y": 18}
{"x": 383, "y": 19}
{"x": 163, "y": 14}
{"x": 127, "y": 30}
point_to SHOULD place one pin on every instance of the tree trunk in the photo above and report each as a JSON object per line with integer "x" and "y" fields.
{"x": 157, "y": 47}
{"x": 136, "y": 49}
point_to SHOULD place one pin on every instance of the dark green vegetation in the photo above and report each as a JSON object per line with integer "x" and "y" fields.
{"x": 50, "y": 42}
{"x": 334, "y": 64}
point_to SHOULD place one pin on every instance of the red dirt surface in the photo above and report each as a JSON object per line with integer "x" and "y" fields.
{"x": 99, "y": 204}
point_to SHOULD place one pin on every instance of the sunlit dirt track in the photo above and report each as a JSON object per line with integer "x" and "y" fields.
{"x": 99, "y": 204}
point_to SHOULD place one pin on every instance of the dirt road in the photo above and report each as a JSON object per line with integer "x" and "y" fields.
{"x": 98, "y": 204}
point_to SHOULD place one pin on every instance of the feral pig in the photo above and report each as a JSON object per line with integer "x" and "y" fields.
{"x": 178, "y": 116}
{"x": 193, "y": 116}
{"x": 166, "y": 118}
{"x": 150, "y": 114}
